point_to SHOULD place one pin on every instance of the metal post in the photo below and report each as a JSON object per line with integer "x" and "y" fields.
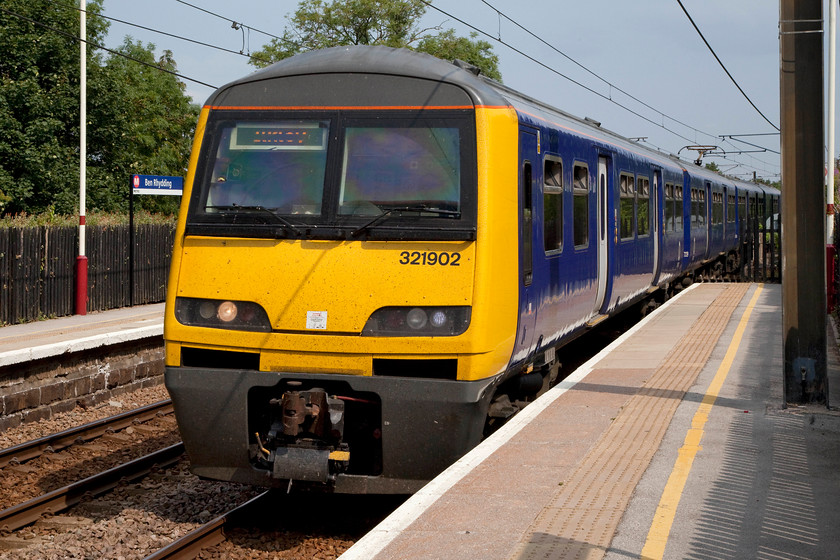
{"x": 832, "y": 71}
{"x": 81, "y": 260}
{"x": 803, "y": 209}
{"x": 131, "y": 244}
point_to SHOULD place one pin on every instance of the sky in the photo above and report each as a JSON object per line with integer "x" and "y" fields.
{"x": 678, "y": 94}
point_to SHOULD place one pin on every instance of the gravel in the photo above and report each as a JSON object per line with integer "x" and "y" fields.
{"x": 138, "y": 519}
{"x": 80, "y": 415}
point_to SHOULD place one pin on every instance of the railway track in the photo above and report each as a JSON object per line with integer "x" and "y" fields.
{"x": 149, "y": 505}
{"x": 87, "y": 432}
{"x": 208, "y": 535}
{"x": 60, "y": 500}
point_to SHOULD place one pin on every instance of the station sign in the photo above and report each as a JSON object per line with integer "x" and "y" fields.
{"x": 157, "y": 184}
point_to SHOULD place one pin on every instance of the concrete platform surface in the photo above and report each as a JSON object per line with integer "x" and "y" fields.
{"x": 674, "y": 442}
{"x": 43, "y": 339}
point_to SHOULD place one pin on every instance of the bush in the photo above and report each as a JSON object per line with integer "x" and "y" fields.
{"x": 94, "y": 218}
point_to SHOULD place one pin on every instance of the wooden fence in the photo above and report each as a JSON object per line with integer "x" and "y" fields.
{"x": 37, "y": 269}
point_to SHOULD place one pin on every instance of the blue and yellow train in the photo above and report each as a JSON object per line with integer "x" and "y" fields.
{"x": 378, "y": 251}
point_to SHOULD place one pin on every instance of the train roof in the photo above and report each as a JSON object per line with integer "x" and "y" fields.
{"x": 388, "y": 62}
{"x": 371, "y": 60}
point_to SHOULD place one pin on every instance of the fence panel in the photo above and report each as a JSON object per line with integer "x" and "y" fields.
{"x": 152, "y": 252}
{"x": 6, "y": 296}
{"x": 26, "y": 264}
{"x": 107, "y": 267}
{"x": 37, "y": 269}
{"x": 761, "y": 251}
{"x": 59, "y": 271}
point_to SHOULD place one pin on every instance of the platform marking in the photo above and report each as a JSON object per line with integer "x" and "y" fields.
{"x": 663, "y": 519}
{"x": 375, "y": 541}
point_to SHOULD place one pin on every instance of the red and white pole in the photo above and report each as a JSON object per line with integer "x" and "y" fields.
{"x": 81, "y": 260}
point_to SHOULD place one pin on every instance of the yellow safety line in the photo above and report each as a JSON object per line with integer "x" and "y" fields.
{"x": 663, "y": 519}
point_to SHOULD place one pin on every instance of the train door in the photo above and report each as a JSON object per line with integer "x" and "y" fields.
{"x": 528, "y": 169}
{"x": 656, "y": 212}
{"x": 603, "y": 233}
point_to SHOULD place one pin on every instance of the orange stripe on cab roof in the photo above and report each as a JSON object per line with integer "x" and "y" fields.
{"x": 350, "y": 108}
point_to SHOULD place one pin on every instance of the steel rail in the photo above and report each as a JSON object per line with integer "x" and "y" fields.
{"x": 210, "y": 534}
{"x": 35, "y": 448}
{"x": 18, "y": 516}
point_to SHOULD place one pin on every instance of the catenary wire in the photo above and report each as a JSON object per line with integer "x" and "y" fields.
{"x": 436, "y": 8}
{"x": 579, "y": 84}
{"x": 501, "y": 14}
{"x": 724, "y": 67}
{"x": 234, "y": 22}
{"x": 588, "y": 70}
{"x": 172, "y": 35}
{"x": 104, "y": 48}
{"x": 593, "y": 73}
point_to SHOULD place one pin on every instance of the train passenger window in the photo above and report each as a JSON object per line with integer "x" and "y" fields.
{"x": 275, "y": 165}
{"x": 695, "y": 210}
{"x": 717, "y": 209}
{"x": 552, "y": 204}
{"x": 730, "y": 208}
{"x": 643, "y": 216}
{"x": 400, "y": 165}
{"x": 701, "y": 208}
{"x": 670, "y": 205}
{"x": 581, "y": 206}
{"x": 627, "y": 210}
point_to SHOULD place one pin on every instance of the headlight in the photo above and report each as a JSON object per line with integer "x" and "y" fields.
{"x": 221, "y": 314}
{"x": 418, "y": 321}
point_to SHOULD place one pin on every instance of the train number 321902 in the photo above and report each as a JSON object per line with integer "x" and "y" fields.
{"x": 430, "y": 258}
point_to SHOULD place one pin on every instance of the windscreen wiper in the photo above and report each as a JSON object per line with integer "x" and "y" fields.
{"x": 420, "y": 208}
{"x": 257, "y": 209}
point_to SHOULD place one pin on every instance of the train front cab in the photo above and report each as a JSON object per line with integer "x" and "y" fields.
{"x": 274, "y": 313}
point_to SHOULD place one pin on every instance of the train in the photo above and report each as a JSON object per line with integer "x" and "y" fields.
{"x": 379, "y": 253}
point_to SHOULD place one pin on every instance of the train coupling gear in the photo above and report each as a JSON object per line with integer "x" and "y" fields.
{"x": 309, "y": 463}
{"x": 308, "y": 414}
{"x": 305, "y": 437}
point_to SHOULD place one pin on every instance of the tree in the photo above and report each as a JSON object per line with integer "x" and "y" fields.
{"x": 139, "y": 118}
{"x": 394, "y": 23}
{"x": 145, "y": 123}
{"x": 448, "y": 46}
{"x": 39, "y": 102}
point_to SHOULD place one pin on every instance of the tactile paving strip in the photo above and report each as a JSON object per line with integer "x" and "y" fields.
{"x": 582, "y": 517}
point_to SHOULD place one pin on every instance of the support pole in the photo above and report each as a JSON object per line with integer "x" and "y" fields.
{"x": 832, "y": 87}
{"x": 830, "y": 249}
{"x": 81, "y": 260}
{"x": 803, "y": 205}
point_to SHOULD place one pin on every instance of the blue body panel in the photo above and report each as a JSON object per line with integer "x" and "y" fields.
{"x": 559, "y": 287}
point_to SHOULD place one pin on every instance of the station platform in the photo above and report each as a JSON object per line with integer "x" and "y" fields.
{"x": 674, "y": 442}
{"x": 28, "y": 342}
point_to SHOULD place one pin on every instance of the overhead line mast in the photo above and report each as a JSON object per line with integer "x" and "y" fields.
{"x": 81, "y": 260}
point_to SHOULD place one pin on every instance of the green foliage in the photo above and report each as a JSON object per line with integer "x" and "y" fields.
{"x": 776, "y": 184}
{"x": 139, "y": 119}
{"x": 318, "y": 24}
{"x": 448, "y": 46}
{"x": 146, "y": 124}
{"x": 95, "y": 218}
{"x": 712, "y": 166}
{"x": 39, "y": 108}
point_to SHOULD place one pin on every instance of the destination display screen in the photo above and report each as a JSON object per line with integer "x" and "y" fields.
{"x": 273, "y": 137}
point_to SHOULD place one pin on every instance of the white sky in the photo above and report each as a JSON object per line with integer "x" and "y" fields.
{"x": 647, "y": 48}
